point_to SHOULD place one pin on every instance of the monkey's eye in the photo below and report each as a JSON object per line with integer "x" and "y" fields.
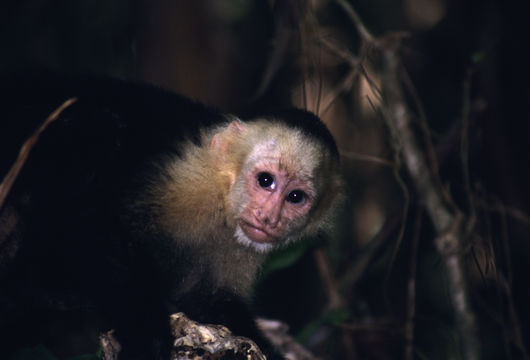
{"x": 296, "y": 196}
{"x": 266, "y": 180}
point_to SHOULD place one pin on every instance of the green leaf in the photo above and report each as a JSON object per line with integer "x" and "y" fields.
{"x": 478, "y": 57}
{"x": 285, "y": 257}
{"x": 332, "y": 317}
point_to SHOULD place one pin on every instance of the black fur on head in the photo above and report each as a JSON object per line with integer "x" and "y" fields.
{"x": 306, "y": 122}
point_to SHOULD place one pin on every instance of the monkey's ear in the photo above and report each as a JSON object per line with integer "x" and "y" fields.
{"x": 221, "y": 141}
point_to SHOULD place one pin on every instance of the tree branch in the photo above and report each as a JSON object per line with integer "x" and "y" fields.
{"x": 25, "y": 150}
{"x": 447, "y": 221}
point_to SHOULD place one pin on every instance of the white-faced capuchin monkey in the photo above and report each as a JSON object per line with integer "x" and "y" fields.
{"x": 137, "y": 203}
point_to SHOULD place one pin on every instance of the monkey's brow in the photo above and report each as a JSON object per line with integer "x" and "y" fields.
{"x": 266, "y": 161}
{"x": 274, "y": 161}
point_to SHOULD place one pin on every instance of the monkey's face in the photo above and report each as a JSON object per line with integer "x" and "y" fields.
{"x": 278, "y": 180}
{"x": 277, "y": 206}
{"x": 274, "y": 195}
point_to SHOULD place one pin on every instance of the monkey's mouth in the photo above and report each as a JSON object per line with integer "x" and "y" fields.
{"x": 256, "y": 234}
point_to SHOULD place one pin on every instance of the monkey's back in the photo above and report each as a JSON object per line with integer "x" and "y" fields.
{"x": 63, "y": 238}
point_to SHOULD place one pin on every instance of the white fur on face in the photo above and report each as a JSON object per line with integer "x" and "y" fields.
{"x": 291, "y": 151}
{"x": 244, "y": 240}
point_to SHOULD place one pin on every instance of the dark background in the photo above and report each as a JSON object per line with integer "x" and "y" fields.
{"x": 345, "y": 297}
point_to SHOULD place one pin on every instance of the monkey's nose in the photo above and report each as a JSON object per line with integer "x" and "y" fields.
{"x": 271, "y": 220}
{"x": 267, "y": 217}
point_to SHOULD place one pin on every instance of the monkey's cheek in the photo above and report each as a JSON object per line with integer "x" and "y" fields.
{"x": 255, "y": 234}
